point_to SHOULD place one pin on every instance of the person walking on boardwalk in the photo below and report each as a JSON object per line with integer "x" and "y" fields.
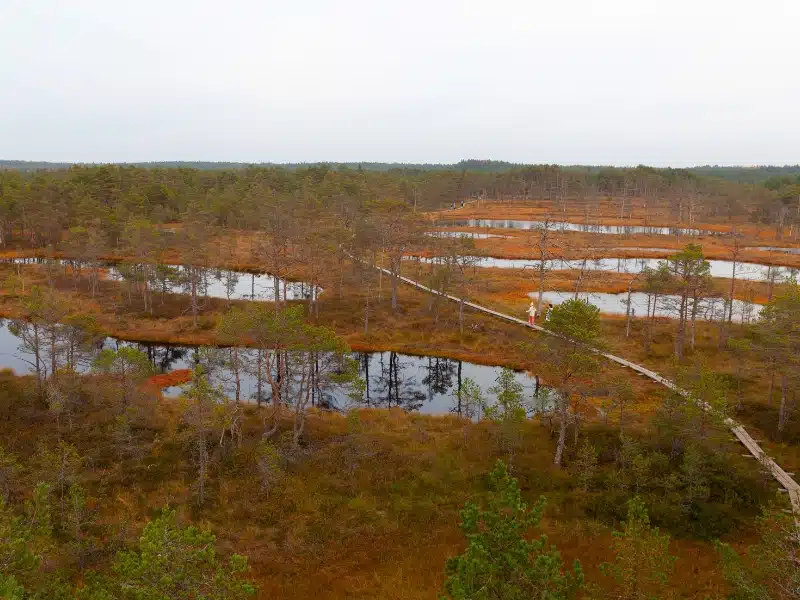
{"x": 532, "y": 314}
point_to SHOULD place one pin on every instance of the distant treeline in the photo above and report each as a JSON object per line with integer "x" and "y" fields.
{"x": 738, "y": 174}
{"x": 237, "y": 197}
{"x": 486, "y": 166}
{"x": 748, "y": 174}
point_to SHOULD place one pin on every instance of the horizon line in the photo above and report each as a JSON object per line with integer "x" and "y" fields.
{"x": 402, "y": 163}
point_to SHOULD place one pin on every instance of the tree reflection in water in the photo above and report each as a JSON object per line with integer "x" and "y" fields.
{"x": 388, "y": 386}
{"x": 427, "y": 384}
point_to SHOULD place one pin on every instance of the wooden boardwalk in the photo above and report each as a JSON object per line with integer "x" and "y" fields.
{"x": 767, "y": 463}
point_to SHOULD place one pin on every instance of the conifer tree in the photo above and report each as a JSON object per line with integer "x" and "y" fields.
{"x": 500, "y": 561}
{"x": 643, "y": 564}
{"x": 179, "y": 563}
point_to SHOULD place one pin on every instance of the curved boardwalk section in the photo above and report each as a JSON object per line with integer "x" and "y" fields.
{"x": 781, "y": 476}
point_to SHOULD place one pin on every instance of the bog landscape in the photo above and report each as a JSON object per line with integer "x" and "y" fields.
{"x": 471, "y": 381}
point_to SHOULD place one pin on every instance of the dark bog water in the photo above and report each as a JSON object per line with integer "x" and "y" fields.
{"x": 774, "y": 249}
{"x": 211, "y": 283}
{"x": 564, "y": 226}
{"x": 427, "y": 384}
{"x": 710, "y": 309}
{"x": 464, "y": 234}
{"x": 233, "y": 285}
{"x": 719, "y": 268}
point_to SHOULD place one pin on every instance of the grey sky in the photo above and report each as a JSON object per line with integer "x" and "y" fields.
{"x": 568, "y": 81}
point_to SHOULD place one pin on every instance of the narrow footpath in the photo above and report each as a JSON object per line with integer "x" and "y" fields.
{"x": 782, "y": 477}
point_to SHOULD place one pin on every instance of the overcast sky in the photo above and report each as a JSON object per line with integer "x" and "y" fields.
{"x": 660, "y": 82}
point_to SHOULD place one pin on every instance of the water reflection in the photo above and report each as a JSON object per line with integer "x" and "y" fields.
{"x": 709, "y": 309}
{"x": 161, "y": 357}
{"x": 774, "y": 249}
{"x": 718, "y": 268}
{"x": 465, "y": 234}
{"x": 209, "y": 282}
{"x": 636, "y": 249}
{"x": 228, "y": 284}
{"x": 586, "y": 228}
{"x": 427, "y": 384}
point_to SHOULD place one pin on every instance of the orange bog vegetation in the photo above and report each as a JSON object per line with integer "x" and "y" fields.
{"x": 163, "y": 380}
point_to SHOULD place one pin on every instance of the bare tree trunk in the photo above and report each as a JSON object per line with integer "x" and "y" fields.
{"x": 193, "y": 283}
{"x": 237, "y": 375}
{"x": 202, "y": 460}
{"x": 649, "y": 334}
{"x": 579, "y": 280}
{"x": 771, "y": 381}
{"x": 259, "y": 380}
{"x": 366, "y": 314}
{"x": 395, "y": 275}
{"x": 628, "y": 311}
{"x": 782, "y": 412}
{"x": 38, "y": 359}
{"x": 727, "y": 319}
{"x": 53, "y": 356}
{"x": 695, "y": 303}
{"x": 306, "y": 386}
{"x": 541, "y": 286}
{"x": 681, "y": 335}
{"x": 93, "y": 279}
{"x": 562, "y": 439}
{"x": 544, "y": 238}
{"x": 771, "y": 286}
{"x": 731, "y": 292}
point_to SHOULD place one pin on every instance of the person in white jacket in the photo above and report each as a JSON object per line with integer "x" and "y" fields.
{"x": 532, "y": 314}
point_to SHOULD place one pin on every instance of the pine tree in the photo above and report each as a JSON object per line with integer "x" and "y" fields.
{"x": 500, "y": 561}
{"x": 128, "y": 365}
{"x": 643, "y": 564}
{"x": 9, "y": 468}
{"x": 269, "y": 463}
{"x": 472, "y": 401}
{"x": 201, "y": 400}
{"x": 572, "y": 359}
{"x": 585, "y": 465}
{"x": 778, "y": 339}
{"x": 23, "y": 541}
{"x": 508, "y": 412}
{"x": 16, "y": 556}
{"x": 769, "y": 570}
{"x": 694, "y": 477}
{"x": 179, "y": 563}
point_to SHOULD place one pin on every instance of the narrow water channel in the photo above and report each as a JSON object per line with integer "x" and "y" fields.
{"x": 211, "y": 283}
{"x": 719, "y": 268}
{"x": 465, "y": 234}
{"x": 774, "y": 249}
{"x": 709, "y": 309}
{"x": 565, "y": 226}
